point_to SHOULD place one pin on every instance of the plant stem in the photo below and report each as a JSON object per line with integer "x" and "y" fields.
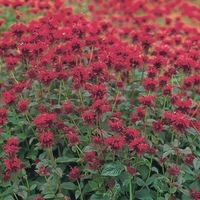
{"x": 51, "y": 156}
{"x": 49, "y": 185}
{"x": 79, "y": 186}
{"x": 79, "y": 149}
{"x": 80, "y": 97}
{"x": 130, "y": 190}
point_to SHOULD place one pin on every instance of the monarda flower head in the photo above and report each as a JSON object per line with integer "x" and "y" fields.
{"x": 115, "y": 143}
{"x": 147, "y": 100}
{"x": 8, "y": 97}
{"x": 22, "y": 105}
{"x": 11, "y": 146}
{"x": 12, "y": 164}
{"x": 44, "y": 120}
{"x": 74, "y": 173}
{"x": 46, "y": 76}
{"x": 92, "y": 160}
{"x": 3, "y": 117}
{"x": 46, "y": 139}
{"x": 173, "y": 171}
{"x": 97, "y": 91}
{"x": 178, "y": 121}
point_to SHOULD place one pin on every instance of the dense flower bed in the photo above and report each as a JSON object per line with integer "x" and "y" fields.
{"x": 102, "y": 105}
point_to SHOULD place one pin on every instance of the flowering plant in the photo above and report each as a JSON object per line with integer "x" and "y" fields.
{"x": 99, "y": 106}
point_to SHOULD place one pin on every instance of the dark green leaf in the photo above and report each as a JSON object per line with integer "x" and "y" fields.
{"x": 49, "y": 196}
{"x": 69, "y": 186}
{"x": 112, "y": 169}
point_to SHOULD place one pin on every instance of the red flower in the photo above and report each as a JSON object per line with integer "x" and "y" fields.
{"x": 18, "y": 29}
{"x": 22, "y": 105}
{"x": 6, "y": 176}
{"x": 72, "y": 137}
{"x": 100, "y": 106}
{"x": 139, "y": 145}
{"x": 43, "y": 170}
{"x": 44, "y": 120}
{"x": 11, "y": 63}
{"x": 46, "y": 139}
{"x": 38, "y": 197}
{"x": 188, "y": 159}
{"x": 3, "y": 112}
{"x": 8, "y": 96}
{"x": 116, "y": 143}
{"x": 97, "y": 91}
{"x": 97, "y": 140}
{"x": 158, "y": 126}
{"x": 11, "y": 146}
{"x": 173, "y": 171}
{"x": 183, "y": 105}
{"x": 12, "y": 164}
{"x": 116, "y": 125}
{"x": 67, "y": 107}
{"x": 195, "y": 195}
{"x": 178, "y": 121}
{"x": 150, "y": 84}
{"x": 88, "y": 117}
{"x": 92, "y": 160}
{"x": 74, "y": 173}
{"x": 80, "y": 76}
{"x": 46, "y": 76}
{"x": 147, "y": 100}
{"x": 167, "y": 89}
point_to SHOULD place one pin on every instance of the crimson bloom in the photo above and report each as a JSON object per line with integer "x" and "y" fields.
{"x": 46, "y": 139}
{"x": 74, "y": 173}
{"x": 173, "y": 171}
{"x": 11, "y": 146}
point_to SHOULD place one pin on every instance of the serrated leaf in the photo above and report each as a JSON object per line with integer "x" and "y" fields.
{"x": 112, "y": 169}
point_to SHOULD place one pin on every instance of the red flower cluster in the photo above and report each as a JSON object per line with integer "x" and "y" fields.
{"x": 92, "y": 160}
{"x": 74, "y": 173}
{"x": 12, "y": 163}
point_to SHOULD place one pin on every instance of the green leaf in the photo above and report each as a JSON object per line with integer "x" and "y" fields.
{"x": 170, "y": 151}
{"x": 65, "y": 159}
{"x": 49, "y": 196}
{"x": 9, "y": 198}
{"x": 143, "y": 171}
{"x": 143, "y": 194}
{"x": 98, "y": 197}
{"x": 60, "y": 195}
{"x": 93, "y": 184}
{"x": 69, "y": 186}
{"x": 33, "y": 187}
{"x": 23, "y": 194}
{"x": 196, "y": 163}
{"x": 58, "y": 171}
{"x": 151, "y": 179}
{"x": 140, "y": 182}
{"x": 77, "y": 194}
{"x": 112, "y": 169}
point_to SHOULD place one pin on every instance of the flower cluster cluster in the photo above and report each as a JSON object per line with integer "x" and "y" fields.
{"x": 112, "y": 95}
